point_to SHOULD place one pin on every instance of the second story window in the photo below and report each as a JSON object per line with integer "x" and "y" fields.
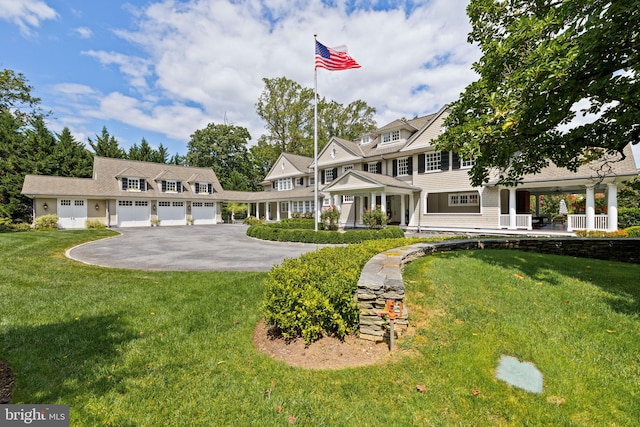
{"x": 133, "y": 184}
{"x": 432, "y": 161}
{"x": 284, "y": 184}
{"x": 391, "y": 136}
{"x": 328, "y": 176}
{"x": 464, "y": 163}
{"x": 403, "y": 167}
{"x": 373, "y": 168}
{"x": 172, "y": 187}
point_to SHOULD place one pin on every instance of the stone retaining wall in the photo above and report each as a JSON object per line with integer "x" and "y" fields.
{"x": 381, "y": 278}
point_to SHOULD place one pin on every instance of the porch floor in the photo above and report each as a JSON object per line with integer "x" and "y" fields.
{"x": 549, "y": 230}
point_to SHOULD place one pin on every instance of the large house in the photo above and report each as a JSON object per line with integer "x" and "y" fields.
{"x": 395, "y": 168}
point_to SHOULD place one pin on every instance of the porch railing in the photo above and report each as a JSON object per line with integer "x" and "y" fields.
{"x": 579, "y": 222}
{"x": 523, "y": 221}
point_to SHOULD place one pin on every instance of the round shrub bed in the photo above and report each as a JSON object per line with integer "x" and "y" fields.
{"x": 278, "y": 233}
{"x": 313, "y": 295}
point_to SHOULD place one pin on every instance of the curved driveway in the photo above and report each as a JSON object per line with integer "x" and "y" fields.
{"x": 205, "y": 247}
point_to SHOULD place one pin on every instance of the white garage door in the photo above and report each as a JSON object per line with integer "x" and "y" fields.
{"x": 72, "y": 213}
{"x": 203, "y": 212}
{"x": 172, "y": 213}
{"x": 133, "y": 213}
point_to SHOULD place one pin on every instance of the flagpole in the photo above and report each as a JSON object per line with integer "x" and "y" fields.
{"x": 315, "y": 139}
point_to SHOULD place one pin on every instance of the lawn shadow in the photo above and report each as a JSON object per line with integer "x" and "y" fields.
{"x": 55, "y": 361}
{"x": 623, "y": 295}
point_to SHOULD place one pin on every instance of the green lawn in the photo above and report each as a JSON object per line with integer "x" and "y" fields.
{"x": 129, "y": 348}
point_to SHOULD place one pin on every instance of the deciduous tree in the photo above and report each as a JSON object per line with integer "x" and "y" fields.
{"x": 544, "y": 65}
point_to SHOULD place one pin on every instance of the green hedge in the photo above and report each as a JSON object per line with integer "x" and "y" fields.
{"x": 294, "y": 223}
{"x": 628, "y": 217}
{"x": 633, "y": 231}
{"x": 279, "y": 234}
{"x": 313, "y": 295}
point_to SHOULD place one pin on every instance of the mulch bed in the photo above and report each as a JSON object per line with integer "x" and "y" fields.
{"x": 6, "y": 383}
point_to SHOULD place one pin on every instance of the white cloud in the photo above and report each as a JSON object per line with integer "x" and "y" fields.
{"x": 83, "y": 32}
{"x": 26, "y": 14}
{"x": 204, "y": 60}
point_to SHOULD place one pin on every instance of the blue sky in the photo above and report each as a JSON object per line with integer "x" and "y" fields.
{"x": 161, "y": 69}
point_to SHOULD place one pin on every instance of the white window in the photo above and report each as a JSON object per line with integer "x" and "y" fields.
{"x": 432, "y": 161}
{"x": 403, "y": 167}
{"x": 328, "y": 175}
{"x": 133, "y": 184}
{"x": 202, "y": 188}
{"x": 309, "y": 206}
{"x": 464, "y": 199}
{"x": 178, "y": 203}
{"x": 347, "y": 199}
{"x": 197, "y": 204}
{"x": 346, "y": 168}
{"x": 326, "y": 201}
{"x": 65, "y": 202}
{"x": 299, "y": 182}
{"x": 164, "y": 204}
{"x": 122, "y": 202}
{"x": 373, "y": 168}
{"x": 284, "y": 206}
{"x": 78, "y": 202}
{"x": 365, "y": 140}
{"x": 391, "y": 136}
{"x": 283, "y": 184}
{"x": 209, "y": 204}
{"x": 464, "y": 163}
{"x": 312, "y": 180}
{"x": 171, "y": 187}
{"x": 142, "y": 203}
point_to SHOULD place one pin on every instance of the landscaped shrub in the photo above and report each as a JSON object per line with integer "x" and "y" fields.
{"x": 628, "y": 217}
{"x": 596, "y": 233}
{"x": 279, "y": 234}
{"x": 295, "y": 223}
{"x": 46, "y": 222}
{"x": 7, "y": 226}
{"x": 94, "y": 224}
{"x": 375, "y": 218}
{"x": 633, "y": 231}
{"x": 252, "y": 220}
{"x": 330, "y": 218}
{"x": 313, "y": 295}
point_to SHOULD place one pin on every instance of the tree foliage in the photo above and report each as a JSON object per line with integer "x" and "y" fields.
{"x": 72, "y": 157}
{"x": 288, "y": 111}
{"x": 545, "y": 63}
{"x": 223, "y": 148}
{"x": 106, "y": 145}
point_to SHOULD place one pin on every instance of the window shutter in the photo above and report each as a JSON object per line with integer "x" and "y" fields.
{"x": 125, "y": 184}
{"x": 456, "y": 161}
{"x": 322, "y": 177}
{"x": 410, "y": 165}
{"x": 379, "y": 167}
{"x": 395, "y": 167}
{"x": 444, "y": 161}
{"x": 335, "y": 173}
{"x": 164, "y": 186}
{"x": 197, "y": 188}
{"x": 366, "y": 167}
{"x": 179, "y": 187}
{"x": 143, "y": 184}
{"x": 421, "y": 163}
{"x": 210, "y": 188}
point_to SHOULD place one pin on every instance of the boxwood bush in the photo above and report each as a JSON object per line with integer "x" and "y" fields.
{"x": 279, "y": 234}
{"x": 46, "y": 222}
{"x": 628, "y": 217}
{"x": 633, "y": 231}
{"x": 313, "y": 295}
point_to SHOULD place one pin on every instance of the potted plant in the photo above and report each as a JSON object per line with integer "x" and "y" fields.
{"x": 155, "y": 221}
{"x": 190, "y": 220}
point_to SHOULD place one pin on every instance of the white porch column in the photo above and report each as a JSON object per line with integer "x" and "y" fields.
{"x": 512, "y": 208}
{"x": 412, "y": 209}
{"x": 289, "y": 208}
{"x": 612, "y": 205}
{"x": 267, "y": 211}
{"x": 383, "y": 202}
{"x": 402, "y": 210}
{"x": 590, "y": 208}
{"x": 278, "y": 210}
{"x": 373, "y": 201}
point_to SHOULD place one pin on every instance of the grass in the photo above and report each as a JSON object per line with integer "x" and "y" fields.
{"x": 128, "y": 348}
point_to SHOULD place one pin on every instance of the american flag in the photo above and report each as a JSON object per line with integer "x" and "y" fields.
{"x": 334, "y": 59}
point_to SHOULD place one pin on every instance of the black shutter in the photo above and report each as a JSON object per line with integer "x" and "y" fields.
{"x": 197, "y": 188}
{"x": 335, "y": 173}
{"x": 143, "y": 184}
{"x": 421, "y": 163}
{"x": 210, "y": 188}
{"x": 444, "y": 161}
{"x": 322, "y": 177}
{"x": 395, "y": 167}
{"x": 179, "y": 187}
{"x": 125, "y": 184}
{"x": 164, "y": 186}
{"x": 366, "y": 167}
{"x": 456, "y": 161}
{"x": 410, "y": 165}
{"x": 379, "y": 168}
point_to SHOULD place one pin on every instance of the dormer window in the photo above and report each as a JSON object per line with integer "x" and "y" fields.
{"x": 284, "y": 184}
{"x": 133, "y": 184}
{"x": 171, "y": 186}
{"x": 365, "y": 139}
{"x": 203, "y": 188}
{"x": 391, "y": 136}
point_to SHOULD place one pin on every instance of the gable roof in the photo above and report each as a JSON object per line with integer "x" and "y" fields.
{"x": 368, "y": 180}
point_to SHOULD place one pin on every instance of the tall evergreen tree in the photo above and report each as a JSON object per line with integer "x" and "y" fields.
{"x": 72, "y": 157}
{"x": 107, "y": 146}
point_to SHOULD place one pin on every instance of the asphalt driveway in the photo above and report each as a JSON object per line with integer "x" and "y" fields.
{"x": 224, "y": 247}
